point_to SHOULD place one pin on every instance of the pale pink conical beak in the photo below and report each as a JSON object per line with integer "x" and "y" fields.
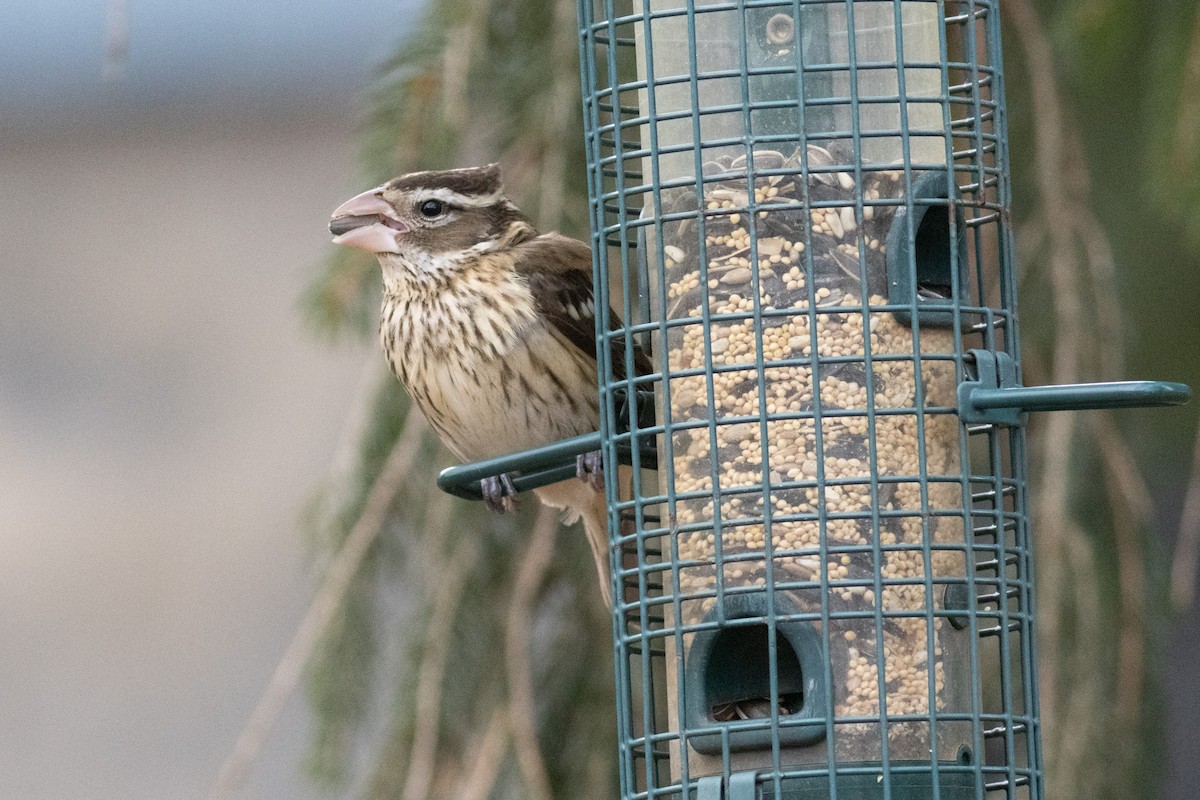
{"x": 368, "y": 222}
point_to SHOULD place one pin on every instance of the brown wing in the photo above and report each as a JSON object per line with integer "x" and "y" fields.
{"x": 559, "y": 271}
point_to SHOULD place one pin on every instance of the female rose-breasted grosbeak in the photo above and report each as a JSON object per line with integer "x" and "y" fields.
{"x": 489, "y": 325}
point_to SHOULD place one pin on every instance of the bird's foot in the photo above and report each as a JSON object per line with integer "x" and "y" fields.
{"x": 589, "y": 467}
{"x": 499, "y": 493}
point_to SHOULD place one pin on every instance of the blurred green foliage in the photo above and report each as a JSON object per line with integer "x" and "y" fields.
{"x": 476, "y": 82}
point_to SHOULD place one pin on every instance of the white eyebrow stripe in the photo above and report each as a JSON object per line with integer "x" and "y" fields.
{"x": 455, "y": 198}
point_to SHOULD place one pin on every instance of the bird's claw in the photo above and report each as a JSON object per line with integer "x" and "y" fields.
{"x": 589, "y": 467}
{"x": 499, "y": 493}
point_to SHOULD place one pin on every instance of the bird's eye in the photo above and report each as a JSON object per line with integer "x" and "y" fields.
{"x": 432, "y": 208}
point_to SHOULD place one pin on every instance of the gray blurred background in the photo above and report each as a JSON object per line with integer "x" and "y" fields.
{"x": 164, "y": 414}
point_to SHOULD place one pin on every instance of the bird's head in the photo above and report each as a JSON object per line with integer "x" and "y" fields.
{"x": 429, "y": 215}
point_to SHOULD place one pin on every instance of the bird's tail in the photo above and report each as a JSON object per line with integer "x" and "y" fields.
{"x": 595, "y": 527}
{"x": 581, "y": 501}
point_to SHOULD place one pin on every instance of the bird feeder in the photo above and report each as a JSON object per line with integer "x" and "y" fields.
{"x": 801, "y": 212}
{"x": 822, "y": 565}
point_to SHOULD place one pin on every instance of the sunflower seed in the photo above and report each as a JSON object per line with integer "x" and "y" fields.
{"x": 771, "y": 246}
{"x": 736, "y": 276}
{"x": 768, "y": 159}
{"x": 819, "y": 157}
{"x": 809, "y": 564}
{"x": 847, "y": 218}
{"x": 834, "y": 221}
{"x": 735, "y": 196}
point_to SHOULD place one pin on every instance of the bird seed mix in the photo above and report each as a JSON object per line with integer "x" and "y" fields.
{"x": 840, "y": 439}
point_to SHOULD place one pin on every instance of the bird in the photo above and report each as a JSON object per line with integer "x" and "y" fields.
{"x": 490, "y": 326}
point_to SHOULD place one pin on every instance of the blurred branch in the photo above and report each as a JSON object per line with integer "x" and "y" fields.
{"x": 1050, "y": 135}
{"x": 599, "y": 775}
{"x": 1187, "y": 124}
{"x": 1031, "y": 235}
{"x": 1080, "y": 669}
{"x": 1133, "y": 512}
{"x": 445, "y": 584}
{"x": 559, "y": 113}
{"x": 534, "y": 562}
{"x": 1131, "y": 581}
{"x": 1187, "y": 544}
{"x": 481, "y": 779}
{"x": 1055, "y": 527}
{"x": 1128, "y": 484}
{"x": 463, "y": 44}
{"x": 1102, "y": 272}
{"x": 323, "y": 608}
{"x": 1070, "y": 738}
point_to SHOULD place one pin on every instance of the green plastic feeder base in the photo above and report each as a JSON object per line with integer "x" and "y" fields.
{"x": 907, "y": 780}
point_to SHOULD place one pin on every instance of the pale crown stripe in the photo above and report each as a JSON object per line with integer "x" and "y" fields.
{"x": 456, "y": 199}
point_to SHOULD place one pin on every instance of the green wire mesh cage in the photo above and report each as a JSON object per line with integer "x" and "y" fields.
{"x": 823, "y": 587}
{"x": 817, "y": 495}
